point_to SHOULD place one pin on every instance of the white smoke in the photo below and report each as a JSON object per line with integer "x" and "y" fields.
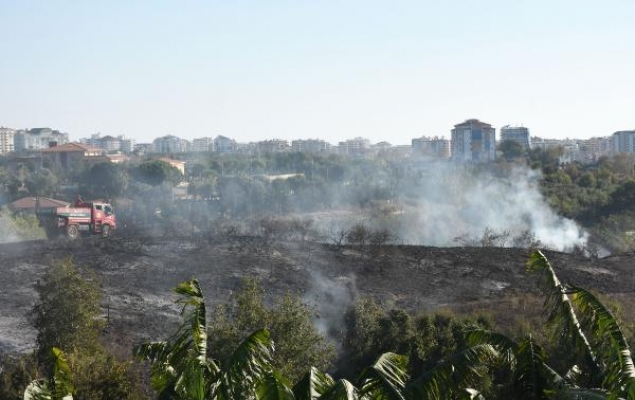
{"x": 329, "y": 297}
{"x": 8, "y": 230}
{"x": 455, "y": 201}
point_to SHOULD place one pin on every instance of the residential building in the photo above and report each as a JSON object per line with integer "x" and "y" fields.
{"x": 7, "y": 140}
{"x": 141, "y": 149}
{"x": 272, "y": 146}
{"x": 70, "y": 155}
{"x": 224, "y": 145}
{"x": 356, "y": 146}
{"x": 127, "y": 145}
{"x": 110, "y": 143}
{"x": 518, "y": 134}
{"x": 435, "y": 147}
{"x": 203, "y": 145}
{"x": 473, "y": 141}
{"x": 170, "y": 144}
{"x": 624, "y": 142}
{"x": 570, "y": 148}
{"x": 310, "y": 146}
{"x": 38, "y": 139}
{"x": 592, "y": 149}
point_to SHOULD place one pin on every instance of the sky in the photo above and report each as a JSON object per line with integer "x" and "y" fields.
{"x": 334, "y": 70}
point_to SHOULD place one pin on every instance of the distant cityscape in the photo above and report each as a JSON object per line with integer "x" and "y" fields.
{"x": 472, "y": 141}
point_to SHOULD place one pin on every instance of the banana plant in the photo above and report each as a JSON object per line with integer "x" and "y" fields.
{"x": 181, "y": 369}
{"x": 579, "y": 316}
{"x": 453, "y": 377}
{"x": 58, "y": 387}
{"x": 386, "y": 379}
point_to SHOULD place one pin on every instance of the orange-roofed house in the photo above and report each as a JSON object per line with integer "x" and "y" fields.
{"x": 70, "y": 155}
{"x": 28, "y": 204}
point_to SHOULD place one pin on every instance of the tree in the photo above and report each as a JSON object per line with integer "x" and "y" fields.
{"x": 104, "y": 180}
{"x": 299, "y": 345}
{"x": 157, "y": 172}
{"x": 511, "y": 150}
{"x": 67, "y": 313}
{"x": 67, "y": 317}
{"x": 41, "y": 182}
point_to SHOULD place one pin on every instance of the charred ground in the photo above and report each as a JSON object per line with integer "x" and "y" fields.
{"x": 137, "y": 275}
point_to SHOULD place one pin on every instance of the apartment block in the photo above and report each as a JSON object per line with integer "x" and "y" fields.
{"x": 624, "y": 142}
{"x": 310, "y": 146}
{"x": 39, "y": 139}
{"x": 170, "y": 144}
{"x": 518, "y": 134}
{"x": 433, "y": 147}
{"x": 7, "y": 140}
{"x": 473, "y": 141}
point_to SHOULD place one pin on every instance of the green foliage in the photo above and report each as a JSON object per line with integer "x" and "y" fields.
{"x": 313, "y": 385}
{"x": 67, "y": 313}
{"x": 371, "y": 331}
{"x": 386, "y": 378}
{"x": 181, "y": 369}
{"x": 299, "y": 346}
{"x": 58, "y": 386}
{"x": 579, "y": 316}
{"x": 41, "y": 182}
{"x": 512, "y": 150}
{"x": 156, "y": 173}
{"x": 15, "y": 227}
{"x": 67, "y": 316}
{"x": 16, "y": 372}
{"x": 104, "y": 180}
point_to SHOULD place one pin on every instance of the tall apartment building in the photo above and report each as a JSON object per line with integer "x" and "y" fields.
{"x": 7, "y": 140}
{"x": 310, "y": 146}
{"x": 473, "y": 141}
{"x": 203, "y": 145}
{"x": 38, "y": 139}
{"x": 170, "y": 144}
{"x": 518, "y": 134}
{"x": 624, "y": 142}
{"x": 435, "y": 147}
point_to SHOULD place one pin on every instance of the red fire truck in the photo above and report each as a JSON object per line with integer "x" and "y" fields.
{"x": 90, "y": 218}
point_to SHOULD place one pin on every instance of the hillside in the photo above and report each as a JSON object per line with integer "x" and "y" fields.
{"x": 137, "y": 276}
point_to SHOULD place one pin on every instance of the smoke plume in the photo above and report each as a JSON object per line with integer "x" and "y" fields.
{"x": 455, "y": 202}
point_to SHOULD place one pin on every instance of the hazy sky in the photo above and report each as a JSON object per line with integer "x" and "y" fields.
{"x": 254, "y": 70}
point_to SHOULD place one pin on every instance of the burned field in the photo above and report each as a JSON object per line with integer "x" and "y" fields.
{"x": 137, "y": 275}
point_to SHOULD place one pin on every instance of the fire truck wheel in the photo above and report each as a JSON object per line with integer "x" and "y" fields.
{"x": 72, "y": 231}
{"x": 105, "y": 230}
